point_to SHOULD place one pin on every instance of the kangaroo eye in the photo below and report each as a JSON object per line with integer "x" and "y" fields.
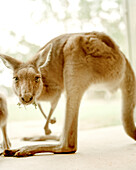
{"x": 16, "y": 79}
{"x": 37, "y": 78}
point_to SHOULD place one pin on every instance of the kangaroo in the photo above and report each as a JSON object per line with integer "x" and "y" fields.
{"x": 72, "y": 63}
{"x": 3, "y": 122}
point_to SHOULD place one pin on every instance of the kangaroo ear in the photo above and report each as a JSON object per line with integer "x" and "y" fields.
{"x": 43, "y": 56}
{"x": 10, "y": 62}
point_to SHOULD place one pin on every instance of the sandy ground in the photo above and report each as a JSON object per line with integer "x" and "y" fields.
{"x": 98, "y": 149}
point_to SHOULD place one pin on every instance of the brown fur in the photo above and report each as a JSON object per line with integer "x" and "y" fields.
{"x": 73, "y": 62}
{"x": 3, "y": 122}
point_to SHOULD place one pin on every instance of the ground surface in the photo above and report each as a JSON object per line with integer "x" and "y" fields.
{"x": 99, "y": 149}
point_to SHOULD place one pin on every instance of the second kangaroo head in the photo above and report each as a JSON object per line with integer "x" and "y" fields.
{"x": 27, "y": 78}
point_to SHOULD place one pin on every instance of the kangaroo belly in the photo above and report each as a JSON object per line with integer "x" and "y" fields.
{"x": 50, "y": 93}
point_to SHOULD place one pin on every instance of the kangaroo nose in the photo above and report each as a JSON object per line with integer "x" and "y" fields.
{"x": 27, "y": 98}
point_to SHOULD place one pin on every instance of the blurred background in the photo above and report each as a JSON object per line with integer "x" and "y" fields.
{"x": 27, "y": 25}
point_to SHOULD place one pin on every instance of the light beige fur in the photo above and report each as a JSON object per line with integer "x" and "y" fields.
{"x": 3, "y": 122}
{"x": 72, "y": 62}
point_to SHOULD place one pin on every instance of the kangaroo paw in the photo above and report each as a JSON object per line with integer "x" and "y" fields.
{"x": 47, "y": 131}
{"x": 52, "y": 121}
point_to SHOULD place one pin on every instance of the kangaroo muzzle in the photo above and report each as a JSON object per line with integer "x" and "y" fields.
{"x": 27, "y": 98}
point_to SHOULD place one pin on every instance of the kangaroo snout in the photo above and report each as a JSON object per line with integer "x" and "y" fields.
{"x": 26, "y": 98}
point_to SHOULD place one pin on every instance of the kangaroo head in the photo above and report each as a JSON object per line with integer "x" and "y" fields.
{"x": 27, "y": 78}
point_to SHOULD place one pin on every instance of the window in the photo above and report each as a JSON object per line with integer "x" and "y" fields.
{"x": 23, "y": 33}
